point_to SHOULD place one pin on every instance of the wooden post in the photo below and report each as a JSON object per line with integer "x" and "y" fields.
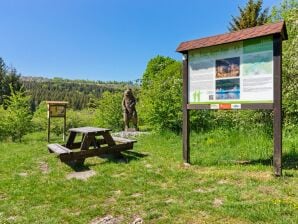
{"x": 64, "y": 126}
{"x": 49, "y": 127}
{"x": 277, "y": 123}
{"x": 185, "y": 128}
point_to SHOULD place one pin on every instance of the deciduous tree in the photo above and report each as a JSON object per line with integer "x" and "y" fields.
{"x": 288, "y": 11}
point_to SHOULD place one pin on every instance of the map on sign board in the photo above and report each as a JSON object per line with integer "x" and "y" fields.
{"x": 57, "y": 111}
{"x": 236, "y": 73}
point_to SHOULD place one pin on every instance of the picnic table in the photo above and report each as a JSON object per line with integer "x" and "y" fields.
{"x": 94, "y": 142}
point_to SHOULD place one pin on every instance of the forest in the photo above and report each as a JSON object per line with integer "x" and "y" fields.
{"x": 79, "y": 94}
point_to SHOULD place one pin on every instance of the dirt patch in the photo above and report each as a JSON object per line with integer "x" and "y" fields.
{"x": 23, "y": 174}
{"x": 217, "y": 202}
{"x": 119, "y": 175}
{"x": 137, "y": 221}
{"x": 261, "y": 176}
{"x": 118, "y": 192}
{"x": 186, "y": 165}
{"x": 137, "y": 195}
{"x": 44, "y": 167}
{"x": 170, "y": 201}
{"x": 106, "y": 220}
{"x": 221, "y": 182}
{"x": 127, "y": 134}
{"x": 267, "y": 190}
{"x": 204, "y": 190}
{"x": 148, "y": 165}
{"x": 12, "y": 218}
{"x": 84, "y": 175}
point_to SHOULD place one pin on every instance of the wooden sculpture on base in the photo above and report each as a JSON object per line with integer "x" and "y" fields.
{"x": 129, "y": 110}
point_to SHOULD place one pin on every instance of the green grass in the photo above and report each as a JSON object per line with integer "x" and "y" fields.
{"x": 230, "y": 181}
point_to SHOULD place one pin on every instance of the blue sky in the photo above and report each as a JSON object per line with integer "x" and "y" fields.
{"x": 104, "y": 39}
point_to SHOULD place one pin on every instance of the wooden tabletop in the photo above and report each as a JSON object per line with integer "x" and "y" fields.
{"x": 86, "y": 130}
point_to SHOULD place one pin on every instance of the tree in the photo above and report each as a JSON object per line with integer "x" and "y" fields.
{"x": 161, "y": 91}
{"x": 154, "y": 66}
{"x": 8, "y": 76}
{"x": 3, "y": 70}
{"x": 250, "y": 16}
{"x": 18, "y": 116}
{"x": 288, "y": 11}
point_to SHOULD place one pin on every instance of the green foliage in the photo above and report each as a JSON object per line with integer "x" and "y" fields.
{"x": 201, "y": 120}
{"x": 250, "y": 16}
{"x": 80, "y": 94}
{"x": 3, "y": 123}
{"x": 161, "y": 94}
{"x": 40, "y": 117}
{"x": 109, "y": 111}
{"x": 17, "y": 117}
{"x": 8, "y": 76}
{"x": 154, "y": 66}
{"x": 288, "y": 11}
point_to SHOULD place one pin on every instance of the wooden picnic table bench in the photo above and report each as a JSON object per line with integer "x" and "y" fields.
{"x": 94, "y": 142}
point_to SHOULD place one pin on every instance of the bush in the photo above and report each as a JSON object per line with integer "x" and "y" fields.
{"x": 109, "y": 111}
{"x": 161, "y": 94}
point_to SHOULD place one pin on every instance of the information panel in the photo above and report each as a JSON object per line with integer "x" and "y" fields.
{"x": 56, "y": 111}
{"x": 235, "y": 73}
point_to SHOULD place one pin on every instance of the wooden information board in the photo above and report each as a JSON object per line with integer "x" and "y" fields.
{"x": 56, "y": 109}
{"x": 233, "y": 71}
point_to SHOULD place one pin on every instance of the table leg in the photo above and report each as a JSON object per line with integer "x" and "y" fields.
{"x": 110, "y": 141}
{"x": 86, "y": 142}
{"x": 108, "y": 138}
{"x": 71, "y": 139}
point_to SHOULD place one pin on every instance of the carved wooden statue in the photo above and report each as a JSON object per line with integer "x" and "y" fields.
{"x": 129, "y": 109}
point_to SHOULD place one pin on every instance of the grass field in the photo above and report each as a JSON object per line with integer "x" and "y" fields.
{"x": 230, "y": 181}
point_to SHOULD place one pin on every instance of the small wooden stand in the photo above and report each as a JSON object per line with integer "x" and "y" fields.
{"x": 56, "y": 109}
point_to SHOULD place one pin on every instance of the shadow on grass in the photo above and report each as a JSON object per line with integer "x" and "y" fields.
{"x": 78, "y": 167}
{"x": 289, "y": 161}
{"x": 124, "y": 157}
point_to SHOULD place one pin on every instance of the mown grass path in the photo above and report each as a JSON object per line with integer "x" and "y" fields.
{"x": 230, "y": 181}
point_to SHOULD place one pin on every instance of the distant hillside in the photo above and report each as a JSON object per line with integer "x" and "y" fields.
{"x": 79, "y": 93}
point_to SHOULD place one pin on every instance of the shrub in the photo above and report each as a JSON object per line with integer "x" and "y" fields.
{"x": 109, "y": 111}
{"x": 161, "y": 94}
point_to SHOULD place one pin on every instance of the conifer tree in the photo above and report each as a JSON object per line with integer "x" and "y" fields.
{"x": 251, "y": 15}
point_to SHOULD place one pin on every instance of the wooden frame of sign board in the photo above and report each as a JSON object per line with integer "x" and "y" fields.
{"x": 277, "y": 32}
{"x": 56, "y": 109}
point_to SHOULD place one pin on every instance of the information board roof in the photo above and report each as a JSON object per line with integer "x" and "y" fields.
{"x": 258, "y": 31}
{"x": 57, "y": 102}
